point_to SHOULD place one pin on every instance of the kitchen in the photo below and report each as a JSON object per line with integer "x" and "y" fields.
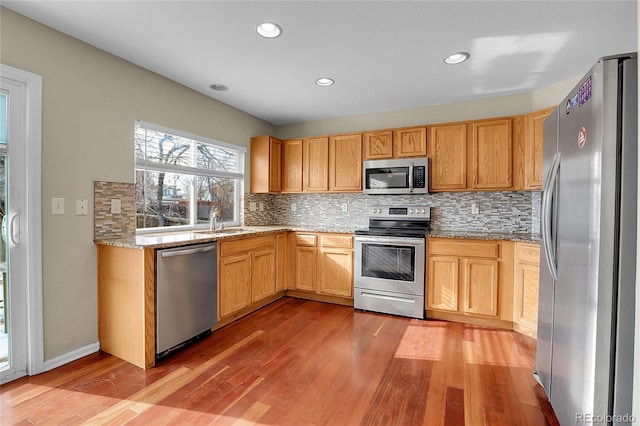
{"x": 70, "y": 308}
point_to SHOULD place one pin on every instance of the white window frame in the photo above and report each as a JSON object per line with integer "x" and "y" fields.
{"x": 169, "y": 168}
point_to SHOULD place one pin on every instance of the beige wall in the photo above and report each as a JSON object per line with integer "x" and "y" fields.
{"x": 459, "y": 111}
{"x": 90, "y": 102}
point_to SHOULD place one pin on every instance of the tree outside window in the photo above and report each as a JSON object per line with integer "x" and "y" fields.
{"x": 179, "y": 178}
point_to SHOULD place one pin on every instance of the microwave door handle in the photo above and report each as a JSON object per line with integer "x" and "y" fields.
{"x": 411, "y": 168}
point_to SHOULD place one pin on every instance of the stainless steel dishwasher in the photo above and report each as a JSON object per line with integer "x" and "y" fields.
{"x": 186, "y": 295}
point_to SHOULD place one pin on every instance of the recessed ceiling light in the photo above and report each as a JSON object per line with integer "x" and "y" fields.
{"x": 325, "y": 81}
{"x": 219, "y": 87}
{"x": 456, "y": 58}
{"x": 269, "y": 30}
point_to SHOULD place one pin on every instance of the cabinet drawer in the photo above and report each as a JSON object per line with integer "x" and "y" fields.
{"x": 228, "y": 248}
{"x": 465, "y": 248}
{"x": 343, "y": 241}
{"x": 306, "y": 240}
{"x": 528, "y": 252}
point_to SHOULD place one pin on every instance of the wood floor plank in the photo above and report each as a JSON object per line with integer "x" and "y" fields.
{"x": 301, "y": 362}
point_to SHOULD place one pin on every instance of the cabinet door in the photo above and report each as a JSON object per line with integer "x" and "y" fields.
{"x": 281, "y": 261}
{"x": 492, "y": 161}
{"x": 292, "y": 165}
{"x": 378, "y": 145}
{"x": 533, "y": 148}
{"x": 345, "y": 163}
{"x": 316, "y": 164}
{"x": 410, "y": 142}
{"x": 263, "y": 278}
{"x": 234, "y": 283}
{"x": 306, "y": 259}
{"x": 265, "y": 164}
{"x": 448, "y": 153}
{"x": 336, "y": 272}
{"x": 442, "y": 283}
{"x": 275, "y": 165}
{"x": 480, "y": 284}
{"x": 526, "y": 295}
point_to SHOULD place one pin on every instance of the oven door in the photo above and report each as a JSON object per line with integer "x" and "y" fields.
{"x": 394, "y": 264}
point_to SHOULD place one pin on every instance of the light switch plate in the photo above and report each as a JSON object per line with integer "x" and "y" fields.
{"x": 475, "y": 209}
{"x": 293, "y": 207}
{"x": 252, "y": 206}
{"x": 81, "y": 207}
{"x": 116, "y": 206}
{"x": 261, "y": 207}
{"x": 57, "y": 206}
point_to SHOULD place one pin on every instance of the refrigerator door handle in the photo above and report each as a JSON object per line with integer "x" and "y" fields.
{"x": 546, "y": 224}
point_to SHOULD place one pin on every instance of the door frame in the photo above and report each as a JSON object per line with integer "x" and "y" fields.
{"x": 32, "y": 131}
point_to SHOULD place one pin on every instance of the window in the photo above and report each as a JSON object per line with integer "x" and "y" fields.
{"x": 181, "y": 177}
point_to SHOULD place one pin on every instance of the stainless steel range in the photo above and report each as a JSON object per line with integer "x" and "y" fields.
{"x": 390, "y": 261}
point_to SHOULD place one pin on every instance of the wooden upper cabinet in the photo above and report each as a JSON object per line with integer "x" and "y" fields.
{"x": 378, "y": 145}
{"x": 448, "y": 153}
{"x": 315, "y": 174}
{"x": 410, "y": 142}
{"x": 533, "y": 148}
{"x": 292, "y": 165}
{"x": 492, "y": 159}
{"x": 266, "y": 163}
{"x": 345, "y": 163}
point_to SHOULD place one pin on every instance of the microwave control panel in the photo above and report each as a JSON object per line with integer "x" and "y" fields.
{"x": 419, "y": 180}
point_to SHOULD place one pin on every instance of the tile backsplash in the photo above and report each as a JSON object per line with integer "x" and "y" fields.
{"x": 504, "y": 211}
{"x": 106, "y": 224}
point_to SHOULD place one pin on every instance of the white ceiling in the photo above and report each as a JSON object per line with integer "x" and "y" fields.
{"x": 384, "y": 55}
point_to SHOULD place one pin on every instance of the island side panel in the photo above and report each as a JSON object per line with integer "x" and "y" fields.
{"x": 121, "y": 303}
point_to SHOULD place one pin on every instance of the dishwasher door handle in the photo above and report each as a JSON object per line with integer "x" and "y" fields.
{"x": 188, "y": 251}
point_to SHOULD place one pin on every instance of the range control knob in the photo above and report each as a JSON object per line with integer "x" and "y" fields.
{"x": 410, "y": 211}
{"x": 424, "y": 211}
{"x": 373, "y": 211}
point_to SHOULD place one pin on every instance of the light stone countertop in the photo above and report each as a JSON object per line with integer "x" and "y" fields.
{"x": 488, "y": 236}
{"x": 159, "y": 240}
{"x": 170, "y": 239}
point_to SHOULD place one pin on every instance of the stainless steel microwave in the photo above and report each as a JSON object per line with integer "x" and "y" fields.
{"x": 401, "y": 176}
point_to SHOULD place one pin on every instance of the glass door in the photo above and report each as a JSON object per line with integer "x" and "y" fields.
{"x": 4, "y": 326}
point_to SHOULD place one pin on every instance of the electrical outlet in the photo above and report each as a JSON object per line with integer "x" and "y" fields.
{"x": 116, "y": 206}
{"x": 475, "y": 209}
{"x": 261, "y": 207}
{"x": 252, "y": 206}
{"x": 57, "y": 206}
{"x": 345, "y": 207}
{"x": 293, "y": 207}
{"x": 81, "y": 207}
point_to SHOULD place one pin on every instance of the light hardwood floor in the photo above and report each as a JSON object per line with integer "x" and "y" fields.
{"x": 300, "y": 362}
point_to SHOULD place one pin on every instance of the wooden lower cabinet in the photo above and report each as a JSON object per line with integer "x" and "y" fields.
{"x": 234, "y": 283}
{"x": 246, "y": 273}
{"x": 306, "y": 267}
{"x": 525, "y": 300}
{"x": 323, "y": 267}
{"x": 480, "y": 287}
{"x": 281, "y": 260}
{"x": 470, "y": 281}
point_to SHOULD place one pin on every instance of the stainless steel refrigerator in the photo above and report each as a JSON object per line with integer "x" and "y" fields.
{"x": 586, "y": 310}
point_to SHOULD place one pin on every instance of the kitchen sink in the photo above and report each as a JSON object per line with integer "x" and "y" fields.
{"x": 228, "y": 231}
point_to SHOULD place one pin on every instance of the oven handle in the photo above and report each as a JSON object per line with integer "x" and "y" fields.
{"x": 417, "y": 242}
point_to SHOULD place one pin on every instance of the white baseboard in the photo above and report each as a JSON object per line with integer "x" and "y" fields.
{"x": 71, "y": 356}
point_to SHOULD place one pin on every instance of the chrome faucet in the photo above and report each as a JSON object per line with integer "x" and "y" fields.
{"x": 214, "y": 214}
